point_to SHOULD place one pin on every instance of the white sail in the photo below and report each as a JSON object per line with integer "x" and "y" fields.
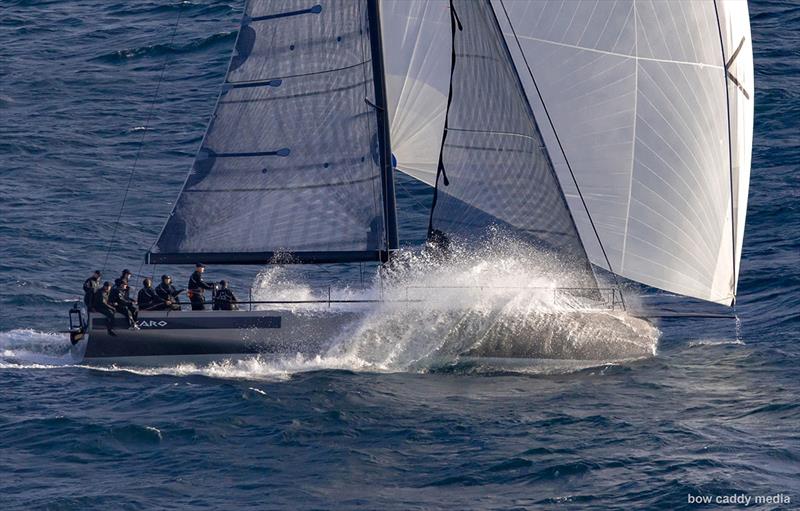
{"x": 416, "y": 47}
{"x": 735, "y": 24}
{"x": 656, "y": 132}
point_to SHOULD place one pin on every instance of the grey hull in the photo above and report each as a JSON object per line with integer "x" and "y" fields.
{"x": 169, "y": 337}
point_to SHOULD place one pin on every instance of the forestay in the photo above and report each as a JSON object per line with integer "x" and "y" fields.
{"x": 495, "y": 169}
{"x": 290, "y": 162}
{"x": 652, "y": 102}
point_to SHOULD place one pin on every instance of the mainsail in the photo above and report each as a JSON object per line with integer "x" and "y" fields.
{"x": 494, "y": 168}
{"x": 652, "y": 102}
{"x": 295, "y": 161}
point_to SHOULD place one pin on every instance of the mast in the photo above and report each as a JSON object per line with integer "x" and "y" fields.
{"x": 384, "y": 141}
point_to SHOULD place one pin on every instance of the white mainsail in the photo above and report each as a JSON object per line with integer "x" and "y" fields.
{"x": 652, "y": 102}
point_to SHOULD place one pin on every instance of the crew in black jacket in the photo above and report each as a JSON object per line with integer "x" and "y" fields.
{"x": 147, "y": 298}
{"x": 224, "y": 299}
{"x": 197, "y": 287}
{"x": 168, "y": 294}
{"x": 102, "y": 305}
{"x": 118, "y": 298}
{"x": 90, "y": 287}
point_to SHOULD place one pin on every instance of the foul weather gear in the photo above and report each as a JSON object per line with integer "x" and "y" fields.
{"x": 102, "y": 305}
{"x": 169, "y": 295}
{"x": 149, "y": 300}
{"x": 90, "y": 287}
{"x": 225, "y": 300}
{"x": 119, "y": 300}
{"x": 197, "y": 287}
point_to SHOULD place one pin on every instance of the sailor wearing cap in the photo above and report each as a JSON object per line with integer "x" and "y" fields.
{"x": 167, "y": 292}
{"x": 197, "y": 287}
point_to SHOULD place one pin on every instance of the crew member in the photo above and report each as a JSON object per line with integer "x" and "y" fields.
{"x": 126, "y": 275}
{"x": 102, "y": 305}
{"x": 197, "y": 287}
{"x": 118, "y": 298}
{"x": 147, "y": 298}
{"x": 224, "y": 299}
{"x": 90, "y": 287}
{"x": 168, "y": 294}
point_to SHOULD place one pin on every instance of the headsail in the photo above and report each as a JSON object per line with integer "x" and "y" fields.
{"x": 417, "y": 57}
{"x": 653, "y": 104}
{"x": 292, "y": 160}
{"x": 495, "y": 169}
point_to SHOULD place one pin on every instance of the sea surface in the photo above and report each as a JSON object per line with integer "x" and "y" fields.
{"x": 95, "y": 95}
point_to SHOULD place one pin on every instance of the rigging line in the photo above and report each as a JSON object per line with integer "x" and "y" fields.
{"x": 141, "y": 141}
{"x": 410, "y": 195}
{"x": 725, "y": 75}
{"x": 440, "y": 171}
{"x": 563, "y": 152}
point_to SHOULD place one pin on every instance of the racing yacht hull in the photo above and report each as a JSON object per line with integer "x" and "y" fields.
{"x": 170, "y": 337}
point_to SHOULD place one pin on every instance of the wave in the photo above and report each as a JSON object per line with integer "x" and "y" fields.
{"x": 156, "y": 50}
{"x": 32, "y": 349}
{"x": 714, "y": 342}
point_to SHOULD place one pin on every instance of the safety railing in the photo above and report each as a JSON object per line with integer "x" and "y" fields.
{"x": 601, "y": 298}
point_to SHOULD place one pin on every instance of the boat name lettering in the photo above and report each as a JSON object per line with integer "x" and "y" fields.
{"x": 152, "y": 323}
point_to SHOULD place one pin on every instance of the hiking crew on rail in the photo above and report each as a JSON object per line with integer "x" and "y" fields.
{"x": 108, "y": 299}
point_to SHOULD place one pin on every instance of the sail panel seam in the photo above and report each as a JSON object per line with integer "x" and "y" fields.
{"x": 622, "y": 55}
{"x": 633, "y": 136}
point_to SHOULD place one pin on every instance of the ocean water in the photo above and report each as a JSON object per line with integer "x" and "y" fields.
{"x": 704, "y": 407}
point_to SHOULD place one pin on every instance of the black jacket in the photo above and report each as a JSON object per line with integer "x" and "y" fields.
{"x": 119, "y": 296}
{"x": 101, "y": 299}
{"x": 125, "y": 294}
{"x": 148, "y": 298}
{"x": 90, "y": 287}
{"x": 197, "y": 284}
{"x": 167, "y": 292}
{"x": 225, "y": 300}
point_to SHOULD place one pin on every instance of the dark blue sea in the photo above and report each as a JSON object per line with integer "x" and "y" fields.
{"x": 715, "y": 411}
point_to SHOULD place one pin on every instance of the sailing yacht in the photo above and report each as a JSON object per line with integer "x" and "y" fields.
{"x": 604, "y": 135}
